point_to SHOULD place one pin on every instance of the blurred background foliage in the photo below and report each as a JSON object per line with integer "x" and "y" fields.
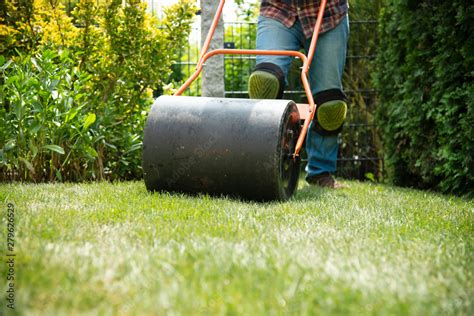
{"x": 76, "y": 86}
{"x": 425, "y": 82}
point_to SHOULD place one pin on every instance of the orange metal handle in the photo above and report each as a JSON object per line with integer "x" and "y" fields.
{"x": 304, "y": 70}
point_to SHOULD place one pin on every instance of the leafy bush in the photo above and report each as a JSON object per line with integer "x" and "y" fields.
{"x": 46, "y": 123}
{"x": 76, "y": 90}
{"x": 425, "y": 82}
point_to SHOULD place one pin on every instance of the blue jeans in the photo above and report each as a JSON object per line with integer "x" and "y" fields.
{"x": 325, "y": 73}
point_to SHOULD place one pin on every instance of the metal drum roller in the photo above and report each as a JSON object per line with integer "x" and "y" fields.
{"x": 238, "y": 147}
{"x": 235, "y": 147}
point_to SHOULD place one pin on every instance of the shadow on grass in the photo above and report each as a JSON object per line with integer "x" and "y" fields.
{"x": 303, "y": 193}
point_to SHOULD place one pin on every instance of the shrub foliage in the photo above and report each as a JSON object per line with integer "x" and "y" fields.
{"x": 76, "y": 87}
{"x": 425, "y": 83}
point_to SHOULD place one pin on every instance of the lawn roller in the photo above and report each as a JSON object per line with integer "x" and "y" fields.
{"x": 239, "y": 147}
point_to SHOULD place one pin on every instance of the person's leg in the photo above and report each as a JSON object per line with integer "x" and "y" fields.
{"x": 269, "y": 77}
{"x": 325, "y": 75}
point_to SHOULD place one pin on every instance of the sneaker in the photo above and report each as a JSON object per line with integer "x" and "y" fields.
{"x": 325, "y": 180}
{"x": 263, "y": 85}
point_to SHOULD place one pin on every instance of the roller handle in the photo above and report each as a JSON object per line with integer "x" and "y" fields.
{"x": 304, "y": 70}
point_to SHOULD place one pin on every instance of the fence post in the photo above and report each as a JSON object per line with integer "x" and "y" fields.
{"x": 213, "y": 73}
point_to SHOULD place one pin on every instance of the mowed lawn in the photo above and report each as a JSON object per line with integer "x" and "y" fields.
{"x": 105, "y": 248}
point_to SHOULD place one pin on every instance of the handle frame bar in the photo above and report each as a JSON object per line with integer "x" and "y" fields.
{"x": 205, "y": 55}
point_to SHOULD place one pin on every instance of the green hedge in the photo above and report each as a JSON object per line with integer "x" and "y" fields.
{"x": 75, "y": 89}
{"x": 425, "y": 82}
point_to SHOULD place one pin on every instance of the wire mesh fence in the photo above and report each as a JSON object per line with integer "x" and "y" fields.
{"x": 360, "y": 151}
{"x": 360, "y": 154}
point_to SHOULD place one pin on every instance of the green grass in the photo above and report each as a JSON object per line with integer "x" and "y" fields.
{"x": 106, "y": 248}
